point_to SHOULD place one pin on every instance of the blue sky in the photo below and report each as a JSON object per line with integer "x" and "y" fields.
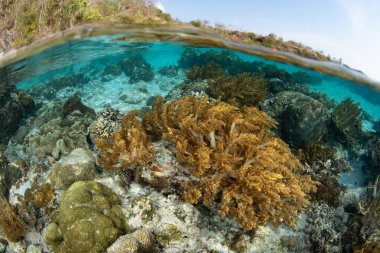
{"x": 347, "y": 29}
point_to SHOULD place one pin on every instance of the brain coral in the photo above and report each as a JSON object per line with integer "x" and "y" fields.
{"x": 89, "y": 219}
{"x": 237, "y": 163}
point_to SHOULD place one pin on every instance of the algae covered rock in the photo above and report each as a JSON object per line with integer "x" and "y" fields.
{"x": 78, "y": 165}
{"x": 89, "y": 219}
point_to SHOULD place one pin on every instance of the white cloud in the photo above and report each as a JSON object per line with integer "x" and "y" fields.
{"x": 159, "y": 6}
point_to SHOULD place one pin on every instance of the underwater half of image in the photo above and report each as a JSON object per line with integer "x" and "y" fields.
{"x": 109, "y": 145}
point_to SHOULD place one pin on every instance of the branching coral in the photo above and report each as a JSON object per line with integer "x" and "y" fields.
{"x": 347, "y": 118}
{"x": 243, "y": 89}
{"x": 12, "y": 227}
{"x": 129, "y": 147}
{"x": 235, "y": 160}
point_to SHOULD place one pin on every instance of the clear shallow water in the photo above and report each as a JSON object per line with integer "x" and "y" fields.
{"x": 91, "y": 56}
{"x": 123, "y": 75}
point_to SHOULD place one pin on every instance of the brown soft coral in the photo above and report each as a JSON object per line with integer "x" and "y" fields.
{"x": 12, "y": 227}
{"x": 235, "y": 160}
{"x": 129, "y": 147}
{"x": 243, "y": 89}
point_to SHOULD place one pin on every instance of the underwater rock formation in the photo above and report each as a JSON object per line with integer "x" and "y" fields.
{"x": 59, "y": 136}
{"x": 12, "y": 227}
{"x": 129, "y": 147}
{"x": 89, "y": 219}
{"x": 14, "y": 105}
{"x": 302, "y": 119}
{"x": 235, "y": 160}
{"x": 137, "y": 68}
{"x": 243, "y": 89}
{"x": 79, "y": 165}
{"x": 75, "y": 103}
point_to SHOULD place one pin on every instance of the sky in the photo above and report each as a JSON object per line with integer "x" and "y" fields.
{"x": 346, "y": 29}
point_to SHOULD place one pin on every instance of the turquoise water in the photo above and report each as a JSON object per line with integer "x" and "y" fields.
{"x": 330, "y": 124}
{"x": 91, "y": 56}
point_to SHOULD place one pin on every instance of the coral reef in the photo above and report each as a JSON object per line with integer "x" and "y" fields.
{"x": 169, "y": 71}
{"x": 9, "y": 174}
{"x": 50, "y": 89}
{"x": 40, "y": 196}
{"x": 89, "y": 219}
{"x": 210, "y": 70}
{"x": 234, "y": 158}
{"x": 187, "y": 89}
{"x": 302, "y": 119}
{"x": 129, "y": 147}
{"x": 75, "y": 103}
{"x": 369, "y": 209}
{"x": 59, "y": 136}
{"x": 373, "y": 156}
{"x": 12, "y": 227}
{"x": 136, "y": 68}
{"x": 325, "y": 228}
{"x": 243, "y": 89}
{"x": 347, "y": 119}
{"x": 79, "y": 165}
{"x": 323, "y": 163}
{"x": 140, "y": 241}
{"x": 107, "y": 122}
{"x": 329, "y": 190}
{"x": 14, "y": 104}
{"x": 322, "y": 159}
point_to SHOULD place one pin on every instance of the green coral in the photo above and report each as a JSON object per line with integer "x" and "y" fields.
{"x": 89, "y": 219}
